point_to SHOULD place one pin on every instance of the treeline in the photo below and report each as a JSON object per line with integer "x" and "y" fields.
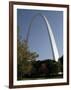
{"x": 47, "y": 68}
{"x": 42, "y": 69}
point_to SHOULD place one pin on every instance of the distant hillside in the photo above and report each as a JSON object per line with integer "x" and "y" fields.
{"x": 42, "y": 61}
{"x": 50, "y": 60}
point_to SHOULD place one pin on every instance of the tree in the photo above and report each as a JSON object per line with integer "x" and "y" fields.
{"x": 53, "y": 67}
{"x": 25, "y": 57}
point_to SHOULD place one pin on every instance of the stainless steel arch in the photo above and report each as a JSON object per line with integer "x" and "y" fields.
{"x": 50, "y": 33}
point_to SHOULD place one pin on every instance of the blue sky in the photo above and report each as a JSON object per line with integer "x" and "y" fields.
{"x": 39, "y": 39}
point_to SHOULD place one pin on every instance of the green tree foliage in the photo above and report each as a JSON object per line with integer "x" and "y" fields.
{"x": 25, "y": 57}
{"x": 53, "y": 67}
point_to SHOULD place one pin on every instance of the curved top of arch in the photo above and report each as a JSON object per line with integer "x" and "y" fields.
{"x": 29, "y": 28}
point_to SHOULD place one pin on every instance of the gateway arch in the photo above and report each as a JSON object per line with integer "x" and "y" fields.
{"x": 54, "y": 48}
